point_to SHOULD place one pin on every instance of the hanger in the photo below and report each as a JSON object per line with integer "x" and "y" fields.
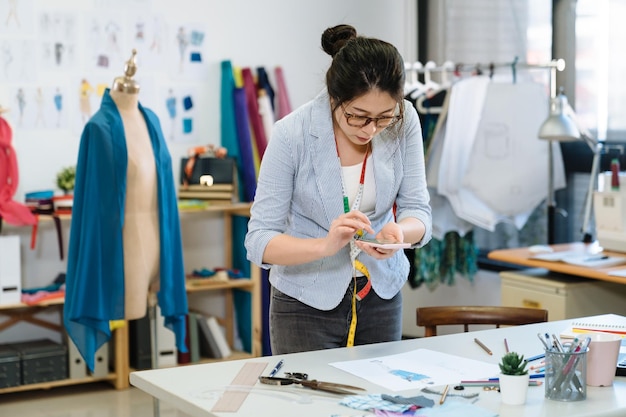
{"x": 447, "y": 66}
{"x": 429, "y": 84}
{"x": 412, "y": 83}
{"x": 430, "y": 89}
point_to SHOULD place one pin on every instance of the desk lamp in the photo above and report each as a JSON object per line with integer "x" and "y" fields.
{"x": 561, "y": 126}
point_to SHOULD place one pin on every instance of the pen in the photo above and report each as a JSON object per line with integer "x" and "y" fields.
{"x": 506, "y": 346}
{"x": 572, "y": 346}
{"x": 534, "y": 358}
{"x": 443, "y": 396}
{"x": 547, "y": 337}
{"x": 479, "y": 383}
{"x": 277, "y": 368}
{"x": 543, "y": 341}
{"x": 557, "y": 343}
{"x": 595, "y": 258}
{"x": 485, "y": 348}
{"x": 533, "y": 376}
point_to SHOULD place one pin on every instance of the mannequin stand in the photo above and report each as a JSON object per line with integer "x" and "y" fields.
{"x": 152, "y": 311}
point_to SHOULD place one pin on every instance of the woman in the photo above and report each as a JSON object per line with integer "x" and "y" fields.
{"x": 348, "y": 163}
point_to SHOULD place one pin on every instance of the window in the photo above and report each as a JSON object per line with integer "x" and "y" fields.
{"x": 600, "y": 64}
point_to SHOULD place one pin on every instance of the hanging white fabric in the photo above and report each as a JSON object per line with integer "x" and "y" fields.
{"x": 466, "y": 103}
{"x": 493, "y": 167}
{"x": 508, "y": 167}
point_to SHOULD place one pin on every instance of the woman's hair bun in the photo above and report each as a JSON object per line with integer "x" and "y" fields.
{"x": 333, "y": 39}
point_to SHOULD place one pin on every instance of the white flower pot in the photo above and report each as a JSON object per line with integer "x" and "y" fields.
{"x": 513, "y": 388}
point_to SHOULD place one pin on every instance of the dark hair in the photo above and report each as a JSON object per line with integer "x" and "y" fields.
{"x": 361, "y": 64}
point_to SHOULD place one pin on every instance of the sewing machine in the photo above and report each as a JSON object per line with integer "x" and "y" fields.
{"x": 610, "y": 213}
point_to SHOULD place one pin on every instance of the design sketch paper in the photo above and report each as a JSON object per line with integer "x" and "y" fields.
{"x": 188, "y": 61}
{"x": 177, "y": 110}
{"x": 17, "y": 17}
{"x": 38, "y": 107}
{"x": 417, "y": 369}
{"x": 58, "y": 36}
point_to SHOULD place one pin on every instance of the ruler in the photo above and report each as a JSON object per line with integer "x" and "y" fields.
{"x": 248, "y": 375}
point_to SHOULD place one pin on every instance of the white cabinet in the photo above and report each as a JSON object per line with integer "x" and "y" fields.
{"x": 563, "y": 296}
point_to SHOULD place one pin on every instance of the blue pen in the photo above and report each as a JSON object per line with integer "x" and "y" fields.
{"x": 534, "y": 358}
{"x": 277, "y": 368}
{"x": 548, "y": 341}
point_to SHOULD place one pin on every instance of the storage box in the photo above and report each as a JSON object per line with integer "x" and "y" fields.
{"x": 77, "y": 368}
{"x": 563, "y": 296}
{"x": 10, "y": 369}
{"x": 10, "y": 272}
{"x": 42, "y": 361}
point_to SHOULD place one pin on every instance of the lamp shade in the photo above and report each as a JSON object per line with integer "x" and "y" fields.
{"x": 559, "y": 126}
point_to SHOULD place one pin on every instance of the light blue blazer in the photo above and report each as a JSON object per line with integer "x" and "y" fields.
{"x": 299, "y": 193}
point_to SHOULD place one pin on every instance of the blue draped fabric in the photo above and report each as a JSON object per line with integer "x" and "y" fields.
{"x": 94, "y": 292}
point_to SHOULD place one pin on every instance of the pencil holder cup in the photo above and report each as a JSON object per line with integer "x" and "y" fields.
{"x": 566, "y": 374}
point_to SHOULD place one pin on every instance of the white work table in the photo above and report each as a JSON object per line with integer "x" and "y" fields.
{"x": 194, "y": 389}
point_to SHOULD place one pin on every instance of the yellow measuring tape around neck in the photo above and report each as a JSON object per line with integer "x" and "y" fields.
{"x": 358, "y": 266}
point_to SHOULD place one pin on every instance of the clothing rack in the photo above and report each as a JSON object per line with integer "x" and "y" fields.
{"x": 449, "y": 67}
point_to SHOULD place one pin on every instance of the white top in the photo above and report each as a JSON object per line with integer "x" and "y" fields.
{"x": 352, "y": 176}
{"x": 195, "y": 389}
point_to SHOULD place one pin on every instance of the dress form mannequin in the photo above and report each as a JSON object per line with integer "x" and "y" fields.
{"x": 141, "y": 224}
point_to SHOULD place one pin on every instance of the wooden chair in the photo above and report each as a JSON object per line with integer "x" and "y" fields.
{"x": 431, "y": 317}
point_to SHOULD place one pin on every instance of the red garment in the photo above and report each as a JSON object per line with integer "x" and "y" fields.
{"x": 253, "y": 111}
{"x": 284, "y": 105}
{"x": 13, "y": 212}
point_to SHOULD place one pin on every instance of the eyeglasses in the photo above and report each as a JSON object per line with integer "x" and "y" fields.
{"x": 362, "y": 121}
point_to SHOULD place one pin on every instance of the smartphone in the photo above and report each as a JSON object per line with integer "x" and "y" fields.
{"x": 385, "y": 245}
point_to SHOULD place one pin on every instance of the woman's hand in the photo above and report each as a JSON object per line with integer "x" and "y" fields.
{"x": 392, "y": 233}
{"x": 343, "y": 229}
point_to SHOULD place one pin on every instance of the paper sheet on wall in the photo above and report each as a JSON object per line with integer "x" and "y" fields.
{"x": 417, "y": 369}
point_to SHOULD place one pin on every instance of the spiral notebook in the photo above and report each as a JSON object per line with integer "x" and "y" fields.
{"x": 577, "y": 328}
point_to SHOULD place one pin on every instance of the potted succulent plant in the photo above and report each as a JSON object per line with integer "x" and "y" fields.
{"x": 513, "y": 379}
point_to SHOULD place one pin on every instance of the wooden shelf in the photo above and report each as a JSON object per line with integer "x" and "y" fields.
{"x": 196, "y": 285}
{"x": 251, "y": 284}
{"x": 43, "y": 304}
{"x": 111, "y": 377}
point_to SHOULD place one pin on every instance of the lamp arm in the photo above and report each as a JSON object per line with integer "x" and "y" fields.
{"x": 591, "y": 142}
{"x": 595, "y": 166}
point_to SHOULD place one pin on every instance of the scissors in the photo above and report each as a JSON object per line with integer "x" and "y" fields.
{"x": 313, "y": 384}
